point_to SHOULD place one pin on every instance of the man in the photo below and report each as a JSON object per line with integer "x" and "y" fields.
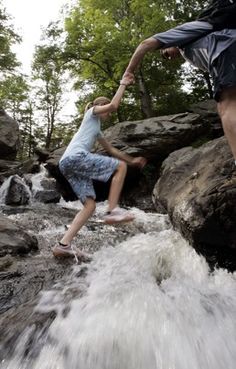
{"x": 207, "y": 49}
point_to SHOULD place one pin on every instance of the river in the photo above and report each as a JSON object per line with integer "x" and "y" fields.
{"x": 148, "y": 302}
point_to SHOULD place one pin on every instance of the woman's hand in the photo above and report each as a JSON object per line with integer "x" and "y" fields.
{"x": 139, "y": 161}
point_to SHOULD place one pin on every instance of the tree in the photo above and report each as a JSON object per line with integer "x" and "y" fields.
{"x": 101, "y": 36}
{"x": 48, "y": 70}
{"x": 27, "y": 129}
{"x": 13, "y": 93}
{"x": 8, "y": 37}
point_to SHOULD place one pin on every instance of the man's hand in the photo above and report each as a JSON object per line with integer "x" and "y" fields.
{"x": 129, "y": 75}
{"x": 170, "y": 53}
{"x": 127, "y": 79}
{"x": 139, "y": 161}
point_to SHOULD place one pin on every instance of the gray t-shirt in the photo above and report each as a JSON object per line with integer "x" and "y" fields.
{"x": 197, "y": 43}
{"x": 85, "y": 137}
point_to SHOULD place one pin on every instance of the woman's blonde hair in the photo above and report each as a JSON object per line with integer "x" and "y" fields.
{"x": 101, "y": 100}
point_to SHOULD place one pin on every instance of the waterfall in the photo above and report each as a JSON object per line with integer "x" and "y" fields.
{"x": 37, "y": 178}
{"x": 150, "y": 302}
{"x": 3, "y": 189}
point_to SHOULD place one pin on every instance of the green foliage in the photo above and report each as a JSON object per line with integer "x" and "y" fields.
{"x": 7, "y": 38}
{"x": 101, "y": 37}
{"x": 27, "y": 128}
{"x": 13, "y": 92}
{"x": 48, "y": 70}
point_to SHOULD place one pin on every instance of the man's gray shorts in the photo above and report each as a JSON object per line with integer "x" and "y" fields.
{"x": 80, "y": 170}
{"x": 223, "y": 71}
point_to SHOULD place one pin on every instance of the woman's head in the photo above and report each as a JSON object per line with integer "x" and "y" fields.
{"x": 101, "y": 100}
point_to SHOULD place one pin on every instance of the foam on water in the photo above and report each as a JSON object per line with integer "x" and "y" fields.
{"x": 149, "y": 302}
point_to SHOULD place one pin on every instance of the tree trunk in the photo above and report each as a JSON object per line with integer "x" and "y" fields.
{"x": 146, "y": 103}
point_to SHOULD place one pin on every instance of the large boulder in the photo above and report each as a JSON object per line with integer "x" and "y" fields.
{"x": 14, "y": 240}
{"x": 14, "y": 191}
{"x": 157, "y": 137}
{"x": 197, "y": 188}
{"x": 12, "y": 167}
{"x": 9, "y": 136}
{"x": 207, "y": 109}
{"x": 63, "y": 185}
{"x": 44, "y": 188}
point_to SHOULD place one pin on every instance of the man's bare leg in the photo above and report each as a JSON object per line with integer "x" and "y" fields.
{"x": 79, "y": 220}
{"x": 116, "y": 185}
{"x": 227, "y": 111}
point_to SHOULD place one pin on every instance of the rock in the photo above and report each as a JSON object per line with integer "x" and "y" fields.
{"x": 63, "y": 185}
{"x": 197, "y": 188}
{"x": 31, "y": 165}
{"x": 5, "y": 262}
{"x": 205, "y": 108}
{"x": 47, "y": 196}
{"x": 14, "y": 240}
{"x": 9, "y": 168}
{"x": 14, "y": 191}
{"x": 9, "y": 136}
{"x": 42, "y": 154}
{"x": 208, "y": 111}
{"x": 44, "y": 188}
{"x": 156, "y": 137}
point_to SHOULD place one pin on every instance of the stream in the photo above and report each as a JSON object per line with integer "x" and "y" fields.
{"x": 146, "y": 301}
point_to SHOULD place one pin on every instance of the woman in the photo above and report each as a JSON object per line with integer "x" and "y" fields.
{"x": 80, "y": 167}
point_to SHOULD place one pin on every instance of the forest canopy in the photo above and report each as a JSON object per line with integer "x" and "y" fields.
{"x": 91, "y": 46}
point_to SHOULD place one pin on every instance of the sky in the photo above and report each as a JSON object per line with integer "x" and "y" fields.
{"x": 28, "y": 18}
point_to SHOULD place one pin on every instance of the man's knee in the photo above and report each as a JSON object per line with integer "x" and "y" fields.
{"x": 227, "y": 102}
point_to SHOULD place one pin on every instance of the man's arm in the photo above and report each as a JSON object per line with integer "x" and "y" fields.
{"x": 150, "y": 44}
{"x": 177, "y": 36}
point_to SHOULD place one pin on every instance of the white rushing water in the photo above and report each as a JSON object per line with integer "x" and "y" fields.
{"x": 148, "y": 303}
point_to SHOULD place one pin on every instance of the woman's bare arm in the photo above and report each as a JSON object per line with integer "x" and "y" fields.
{"x": 115, "y": 102}
{"x": 135, "y": 161}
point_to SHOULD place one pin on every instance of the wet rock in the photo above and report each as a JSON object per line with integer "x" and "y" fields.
{"x": 5, "y": 262}
{"x": 44, "y": 188}
{"x": 9, "y": 168}
{"x": 31, "y": 165}
{"x": 197, "y": 188}
{"x": 14, "y": 191}
{"x": 42, "y": 154}
{"x": 14, "y": 240}
{"x": 47, "y": 196}
{"x": 63, "y": 185}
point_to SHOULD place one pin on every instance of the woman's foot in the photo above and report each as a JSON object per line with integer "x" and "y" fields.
{"x": 118, "y": 215}
{"x": 64, "y": 251}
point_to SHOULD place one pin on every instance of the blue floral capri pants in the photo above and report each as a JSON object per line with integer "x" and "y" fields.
{"x": 80, "y": 170}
